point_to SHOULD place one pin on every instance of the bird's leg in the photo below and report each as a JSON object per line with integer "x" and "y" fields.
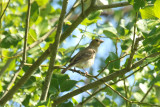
{"x": 86, "y": 73}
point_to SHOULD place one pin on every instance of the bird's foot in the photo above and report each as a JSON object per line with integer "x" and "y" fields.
{"x": 86, "y": 73}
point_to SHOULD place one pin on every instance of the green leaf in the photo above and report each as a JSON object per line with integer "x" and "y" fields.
{"x": 12, "y": 65}
{"x": 95, "y": 15}
{"x": 61, "y": 77}
{"x": 110, "y": 32}
{"x": 137, "y": 96}
{"x": 13, "y": 30}
{"x": 26, "y": 100}
{"x": 75, "y": 102}
{"x": 42, "y": 2}
{"x": 147, "y": 12}
{"x": 34, "y": 12}
{"x": 51, "y": 38}
{"x": 32, "y": 36}
{"x": 89, "y": 34}
{"x": 108, "y": 91}
{"x": 35, "y": 51}
{"x": 114, "y": 64}
{"x": 54, "y": 87}
{"x": 151, "y": 12}
{"x": 87, "y": 22}
{"x": 157, "y": 8}
{"x": 47, "y": 10}
{"x": 42, "y": 27}
{"x": 67, "y": 85}
{"x": 137, "y": 4}
{"x": 92, "y": 18}
{"x": 106, "y": 101}
{"x": 126, "y": 44}
{"x": 10, "y": 40}
{"x": 30, "y": 82}
{"x": 68, "y": 23}
{"x": 122, "y": 30}
{"x": 142, "y": 26}
{"x": 68, "y": 104}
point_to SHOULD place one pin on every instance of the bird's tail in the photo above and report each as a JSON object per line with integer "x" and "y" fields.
{"x": 65, "y": 69}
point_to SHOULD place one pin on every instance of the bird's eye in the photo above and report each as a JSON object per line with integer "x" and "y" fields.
{"x": 97, "y": 40}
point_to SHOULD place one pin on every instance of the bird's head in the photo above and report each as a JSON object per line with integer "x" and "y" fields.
{"x": 96, "y": 42}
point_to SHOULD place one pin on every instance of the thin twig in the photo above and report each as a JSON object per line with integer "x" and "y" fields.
{"x": 110, "y": 63}
{"x": 116, "y": 47}
{"x": 91, "y": 95}
{"x": 75, "y": 48}
{"x": 136, "y": 102}
{"x": 134, "y": 45}
{"x": 132, "y": 73}
{"x": 82, "y": 5}
{"x": 147, "y": 93}
{"x": 125, "y": 98}
{"x": 26, "y": 32}
{"x": 76, "y": 4}
{"x": 125, "y": 89}
{"x": 12, "y": 80}
{"x": 5, "y": 9}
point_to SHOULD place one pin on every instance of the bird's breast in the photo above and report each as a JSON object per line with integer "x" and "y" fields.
{"x": 86, "y": 64}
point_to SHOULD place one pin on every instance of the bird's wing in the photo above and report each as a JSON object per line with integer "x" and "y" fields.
{"x": 83, "y": 55}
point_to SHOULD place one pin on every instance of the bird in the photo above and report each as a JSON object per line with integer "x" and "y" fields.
{"x": 85, "y": 58}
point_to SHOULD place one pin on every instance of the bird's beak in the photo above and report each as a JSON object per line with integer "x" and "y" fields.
{"x": 101, "y": 41}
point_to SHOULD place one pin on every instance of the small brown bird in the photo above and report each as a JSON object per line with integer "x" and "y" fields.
{"x": 85, "y": 58}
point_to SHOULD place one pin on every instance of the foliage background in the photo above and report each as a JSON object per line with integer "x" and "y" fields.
{"x": 131, "y": 33}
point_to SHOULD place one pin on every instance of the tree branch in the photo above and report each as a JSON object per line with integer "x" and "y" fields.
{"x": 24, "y": 50}
{"x": 92, "y": 95}
{"x": 134, "y": 44}
{"x": 54, "y": 52}
{"x": 92, "y": 8}
{"x": 111, "y": 6}
{"x": 28, "y": 48}
{"x": 4, "y": 9}
{"x": 147, "y": 93}
{"x": 99, "y": 82}
{"x": 67, "y": 32}
{"x": 76, "y": 4}
{"x": 35, "y": 65}
{"x": 110, "y": 63}
{"x": 26, "y": 32}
